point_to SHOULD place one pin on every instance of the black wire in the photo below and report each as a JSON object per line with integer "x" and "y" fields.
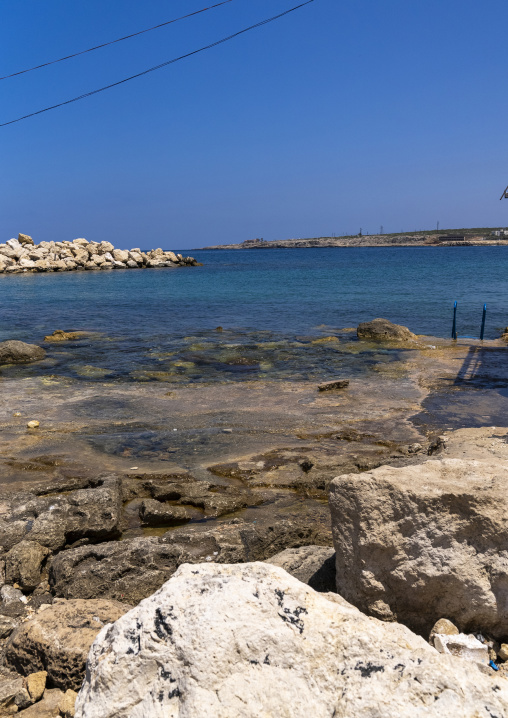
{"x": 158, "y": 67}
{"x": 112, "y": 42}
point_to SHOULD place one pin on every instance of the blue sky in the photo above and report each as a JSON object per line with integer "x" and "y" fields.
{"x": 341, "y": 115}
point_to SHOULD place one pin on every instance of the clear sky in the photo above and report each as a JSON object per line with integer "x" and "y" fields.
{"x": 344, "y": 114}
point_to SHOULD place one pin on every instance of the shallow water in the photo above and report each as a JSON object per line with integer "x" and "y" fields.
{"x": 273, "y": 305}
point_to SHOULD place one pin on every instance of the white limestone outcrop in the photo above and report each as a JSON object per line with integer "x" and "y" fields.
{"x": 251, "y": 641}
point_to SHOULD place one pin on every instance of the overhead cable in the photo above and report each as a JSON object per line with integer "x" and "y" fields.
{"x": 112, "y": 42}
{"x": 158, "y": 67}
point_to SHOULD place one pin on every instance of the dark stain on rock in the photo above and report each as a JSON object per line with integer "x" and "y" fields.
{"x": 367, "y": 669}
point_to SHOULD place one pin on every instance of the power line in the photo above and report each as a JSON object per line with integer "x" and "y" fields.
{"x": 112, "y": 42}
{"x": 158, "y": 67}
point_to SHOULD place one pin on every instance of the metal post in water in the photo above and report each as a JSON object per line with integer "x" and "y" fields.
{"x": 483, "y": 321}
{"x": 454, "y": 325}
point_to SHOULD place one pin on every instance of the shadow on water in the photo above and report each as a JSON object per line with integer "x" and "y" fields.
{"x": 477, "y": 396}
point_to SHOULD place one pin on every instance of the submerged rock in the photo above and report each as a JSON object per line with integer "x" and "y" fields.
{"x": 16, "y": 352}
{"x": 383, "y": 330}
{"x": 419, "y": 542}
{"x": 60, "y": 336}
{"x": 250, "y": 640}
{"x": 337, "y": 384}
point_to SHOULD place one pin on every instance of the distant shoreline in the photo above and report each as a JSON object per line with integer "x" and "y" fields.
{"x": 447, "y": 238}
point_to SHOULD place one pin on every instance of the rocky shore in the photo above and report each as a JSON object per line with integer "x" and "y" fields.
{"x": 23, "y": 255}
{"x": 358, "y": 569}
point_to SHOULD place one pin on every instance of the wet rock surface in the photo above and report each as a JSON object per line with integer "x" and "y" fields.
{"x": 276, "y": 647}
{"x": 384, "y": 330}
{"x": 16, "y": 352}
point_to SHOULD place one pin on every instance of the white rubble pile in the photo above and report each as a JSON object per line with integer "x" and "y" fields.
{"x": 249, "y": 640}
{"x": 22, "y": 255}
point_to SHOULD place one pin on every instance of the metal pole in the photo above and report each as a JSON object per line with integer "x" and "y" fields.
{"x": 483, "y": 321}
{"x": 454, "y": 325}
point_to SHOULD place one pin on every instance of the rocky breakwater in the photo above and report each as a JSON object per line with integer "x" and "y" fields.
{"x": 23, "y": 255}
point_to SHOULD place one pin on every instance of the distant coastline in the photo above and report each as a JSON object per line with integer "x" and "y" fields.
{"x": 479, "y": 236}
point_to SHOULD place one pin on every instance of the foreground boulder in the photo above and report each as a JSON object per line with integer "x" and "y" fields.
{"x": 58, "y": 638}
{"x": 250, "y": 640}
{"x": 418, "y": 543}
{"x": 383, "y": 330}
{"x": 16, "y": 352}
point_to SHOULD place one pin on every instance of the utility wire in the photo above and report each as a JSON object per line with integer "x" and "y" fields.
{"x": 158, "y": 67}
{"x": 112, "y": 42}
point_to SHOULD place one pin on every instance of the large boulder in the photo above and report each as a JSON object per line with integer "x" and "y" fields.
{"x": 313, "y": 565}
{"x": 133, "y": 569}
{"x": 383, "y": 330}
{"x": 242, "y": 641}
{"x": 57, "y": 640}
{"x": 16, "y": 352}
{"x": 419, "y": 543}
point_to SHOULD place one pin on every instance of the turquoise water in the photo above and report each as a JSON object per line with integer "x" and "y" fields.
{"x": 269, "y": 302}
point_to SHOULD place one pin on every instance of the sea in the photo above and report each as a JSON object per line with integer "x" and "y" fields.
{"x": 269, "y": 313}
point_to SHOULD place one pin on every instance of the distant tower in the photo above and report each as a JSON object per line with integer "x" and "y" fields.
{"x": 360, "y": 233}
{"x": 438, "y": 226}
{"x": 381, "y": 229}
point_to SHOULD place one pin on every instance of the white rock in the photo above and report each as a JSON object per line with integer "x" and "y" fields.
{"x": 121, "y": 255}
{"x": 462, "y": 645}
{"x": 250, "y": 641}
{"x": 13, "y": 244}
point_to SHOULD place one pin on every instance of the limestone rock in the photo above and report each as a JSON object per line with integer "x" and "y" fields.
{"x": 243, "y": 641}
{"x": 36, "y": 684}
{"x": 155, "y": 513}
{"x": 48, "y": 707}
{"x": 133, "y": 569}
{"x": 330, "y": 385}
{"x": 92, "y": 513}
{"x": 23, "y": 564}
{"x": 60, "y": 336}
{"x": 121, "y": 255}
{"x": 467, "y": 647}
{"x": 25, "y": 239}
{"x": 12, "y": 694}
{"x": 57, "y": 639}
{"x": 16, "y": 352}
{"x": 503, "y": 652}
{"x": 7, "y": 626}
{"x": 68, "y": 703}
{"x": 383, "y": 330}
{"x": 313, "y": 565}
{"x": 419, "y": 542}
{"x": 444, "y": 627}
{"x": 81, "y": 242}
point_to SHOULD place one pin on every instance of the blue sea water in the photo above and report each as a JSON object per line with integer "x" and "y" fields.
{"x": 153, "y": 318}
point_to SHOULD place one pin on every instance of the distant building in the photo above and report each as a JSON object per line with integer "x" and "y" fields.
{"x": 500, "y": 232}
